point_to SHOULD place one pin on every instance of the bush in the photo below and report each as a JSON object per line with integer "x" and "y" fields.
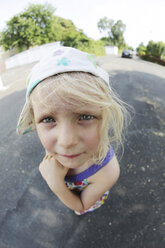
{"x": 153, "y": 52}
{"x": 83, "y": 43}
{"x": 95, "y": 47}
{"x": 155, "y": 49}
{"x": 141, "y": 50}
{"x": 153, "y": 59}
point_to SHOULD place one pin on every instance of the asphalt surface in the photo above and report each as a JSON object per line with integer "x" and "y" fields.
{"x": 31, "y": 216}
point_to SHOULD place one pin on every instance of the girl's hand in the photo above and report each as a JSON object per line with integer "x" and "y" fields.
{"x": 52, "y": 171}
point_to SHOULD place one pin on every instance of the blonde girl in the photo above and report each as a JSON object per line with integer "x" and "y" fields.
{"x": 77, "y": 117}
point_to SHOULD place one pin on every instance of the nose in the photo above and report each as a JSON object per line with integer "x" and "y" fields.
{"x": 67, "y": 135}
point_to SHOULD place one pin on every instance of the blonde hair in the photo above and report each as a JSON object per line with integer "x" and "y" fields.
{"x": 85, "y": 88}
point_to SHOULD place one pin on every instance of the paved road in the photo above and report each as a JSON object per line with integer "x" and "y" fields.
{"x": 32, "y": 217}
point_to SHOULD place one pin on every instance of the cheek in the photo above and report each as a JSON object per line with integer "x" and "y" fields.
{"x": 46, "y": 139}
{"x": 92, "y": 138}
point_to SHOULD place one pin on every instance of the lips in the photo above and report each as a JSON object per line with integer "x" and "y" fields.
{"x": 71, "y": 156}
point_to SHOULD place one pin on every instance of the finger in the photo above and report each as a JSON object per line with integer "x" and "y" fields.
{"x": 50, "y": 156}
{"x": 46, "y": 157}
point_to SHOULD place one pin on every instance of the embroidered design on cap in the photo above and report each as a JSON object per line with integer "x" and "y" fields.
{"x": 91, "y": 57}
{"x": 58, "y": 52}
{"x": 64, "y": 61}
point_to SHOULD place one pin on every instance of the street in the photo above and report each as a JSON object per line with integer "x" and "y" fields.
{"x": 31, "y": 216}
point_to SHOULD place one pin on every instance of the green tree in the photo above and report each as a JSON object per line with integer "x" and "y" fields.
{"x": 38, "y": 25}
{"x": 105, "y": 26}
{"x": 118, "y": 30}
{"x": 79, "y": 40}
{"x": 113, "y": 32}
{"x": 61, "y": 28}
{"x": 141, "y": 49}
{"x": 153, "y": 52}
{"x": 31, "y": 27}
{"x": 156, "y": 49}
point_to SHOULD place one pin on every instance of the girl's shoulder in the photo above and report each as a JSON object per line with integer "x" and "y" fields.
{"x": 108, "y": 173}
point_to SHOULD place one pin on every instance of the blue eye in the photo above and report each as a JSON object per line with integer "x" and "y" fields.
{"x": 86, "y": 117}
{"x": 48, "y": 120}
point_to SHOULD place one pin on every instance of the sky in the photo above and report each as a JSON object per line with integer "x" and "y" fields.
{"x": 144, "y": 19}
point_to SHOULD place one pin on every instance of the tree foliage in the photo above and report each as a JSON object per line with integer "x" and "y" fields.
{"x": 113, "y": 32}
{"x": 141, "y": 50}
{"x": 105, "y": 26}
{"x": 156, "y": 49}
{"x": 38, "y": 25}
{"x": 69, "y": 35}
{"x": 154, "y": 52}
{"x": 29, "y": 28}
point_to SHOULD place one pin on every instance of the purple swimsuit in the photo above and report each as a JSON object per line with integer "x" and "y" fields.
{"x": 79, "y": 182}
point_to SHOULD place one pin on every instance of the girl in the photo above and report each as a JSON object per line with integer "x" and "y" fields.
{"x": 77, "y": 116}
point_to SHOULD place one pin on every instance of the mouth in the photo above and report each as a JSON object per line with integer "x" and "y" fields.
{"x": 70, "y": 156}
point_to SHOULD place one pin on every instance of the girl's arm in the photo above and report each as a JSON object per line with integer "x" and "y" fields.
{"x": 54, "y": 174}
{"x": 70, "y": 199}
{"x": 100, "y": 182}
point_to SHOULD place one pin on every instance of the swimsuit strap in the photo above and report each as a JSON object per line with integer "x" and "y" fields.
{"x": 92, "y": 169}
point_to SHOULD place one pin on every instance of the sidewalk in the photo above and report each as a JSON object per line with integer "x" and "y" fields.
{"x": 15, "y": 79}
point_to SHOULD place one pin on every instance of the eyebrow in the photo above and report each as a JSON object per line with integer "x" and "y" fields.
{"x": 43, "y": 113}
{"x": 83, "y": 111}
{"x": 87, "y": 110}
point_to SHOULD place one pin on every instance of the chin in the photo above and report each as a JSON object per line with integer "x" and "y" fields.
{"x": 71, "y": 163}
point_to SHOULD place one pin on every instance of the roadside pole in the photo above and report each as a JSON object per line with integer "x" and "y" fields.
{"x": 2, "y": 87}
{"x": 2, "y": 69}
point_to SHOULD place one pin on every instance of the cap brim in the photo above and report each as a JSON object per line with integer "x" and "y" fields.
{"x": 26, "y": 122}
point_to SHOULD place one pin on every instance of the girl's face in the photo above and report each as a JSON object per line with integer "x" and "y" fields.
{"x": 71, "y": 133}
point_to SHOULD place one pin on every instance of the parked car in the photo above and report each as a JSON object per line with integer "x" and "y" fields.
{"x": 127, "y": 54}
